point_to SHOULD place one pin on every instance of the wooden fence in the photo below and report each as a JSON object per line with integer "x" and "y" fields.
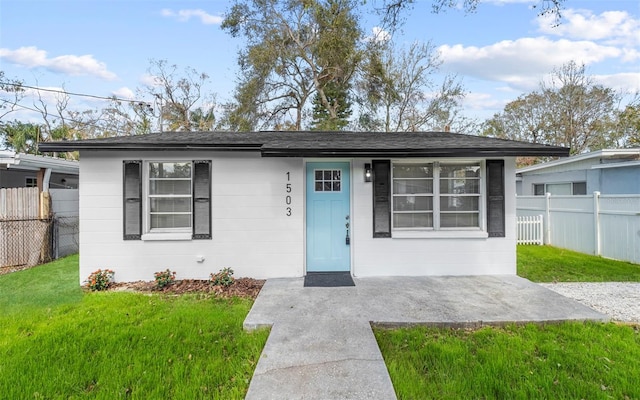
{"x": 25, "y": 238}
{"x": 19, "y": 203}
{"x": 530, "y": 229}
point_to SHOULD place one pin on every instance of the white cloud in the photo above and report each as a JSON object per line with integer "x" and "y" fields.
{"x": 186, "y": 15}
{"x": 609, "y": 27}
{"x": 149, "y": 80}
{"x": 32, "y": 57}
{"x": 521, "y": 63}
{"x": 483, "y": 101}
{"x": 379, "y": 35}
{"x": 124, "y": 93}
{"x": 628, "y": 82}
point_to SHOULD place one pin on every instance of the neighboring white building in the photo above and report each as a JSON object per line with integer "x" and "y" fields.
{"x": 21, "y": 170}
{"x": 613, "y": 171}
{"x": 281, "y": 204}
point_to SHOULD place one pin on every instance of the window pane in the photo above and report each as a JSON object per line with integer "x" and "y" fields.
{"x": 460, "y": 171}
{"x": 159, "y": 221}
{"x": 559, "y": 188}
{"x": 413, "y": 220}
{"x": 412, "y": 203}
{"x": 336, "y": 175}
{"x": 170, "y": 186}
{"x": 412, "y": 171}
{"x": 459, "y": 186}
{"x": 164, "y": 204}
{"x": 327, "y": 175}
{"x": 579, "y": 188}
{"x": 318, "y": 186}
{"x": 170, "y": 170}
{"x": 538, "y": 189}
{"x": 336, "y": 186}
{"x": 457, "y": 220}
{"x": 401, "y": 186}
{"x": 459, "y": 203}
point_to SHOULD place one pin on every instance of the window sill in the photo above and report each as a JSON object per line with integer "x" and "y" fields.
{"x": 173, "y": 236}
{"x": 439, "y": 234}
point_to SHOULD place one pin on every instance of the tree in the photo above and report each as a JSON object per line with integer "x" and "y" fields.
{"x": 337, "y": 94}
{"x": 11, "y": 93}
{"x": 176, "y": 96}
{"x": 581, "y": 109}
{"x": 569, "y": 110}
{"x": 20, "y": 137}
{"x": 393, "y": 10}
{"x": 629, "y": 124}
{"x": 295, "y": 49}
{"x": 398, "y": 92}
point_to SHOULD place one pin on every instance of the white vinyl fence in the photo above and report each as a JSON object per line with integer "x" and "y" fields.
{"x": 530, "y": 229}
{"x": 605, "y": 225}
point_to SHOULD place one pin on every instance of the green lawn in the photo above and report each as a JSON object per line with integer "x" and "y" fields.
{"x": 551, "y": 264}
{"x": 57, "y": 342}
{"x": 563, "y": 361}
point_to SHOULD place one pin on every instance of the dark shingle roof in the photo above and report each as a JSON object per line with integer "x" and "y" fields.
{"x": 320, "y": 144}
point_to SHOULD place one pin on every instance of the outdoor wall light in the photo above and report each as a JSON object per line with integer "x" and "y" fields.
{"x": 367, "y": 172}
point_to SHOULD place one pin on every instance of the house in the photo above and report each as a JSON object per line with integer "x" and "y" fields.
{"x": 612, "y": 171}
{"x": 21, "y": 170}
{"x": 281, "y": 204}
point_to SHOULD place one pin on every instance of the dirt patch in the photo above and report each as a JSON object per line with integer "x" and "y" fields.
{"x": 241, "y": 287}
{"x": 8, "y": 270}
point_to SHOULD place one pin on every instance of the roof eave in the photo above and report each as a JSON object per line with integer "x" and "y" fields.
{"x": 71, "y": 146}
{"x": 414, "y": 153}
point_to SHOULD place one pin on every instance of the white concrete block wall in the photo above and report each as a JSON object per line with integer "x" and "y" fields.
{"x": 429, "y": 256}
{"x": 251, "y": 232}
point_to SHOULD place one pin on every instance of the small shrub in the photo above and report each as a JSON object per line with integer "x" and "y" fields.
{"x": 164, "y": 278}
{"x": 100, "y": 279}
{"x": 223, "y": 278}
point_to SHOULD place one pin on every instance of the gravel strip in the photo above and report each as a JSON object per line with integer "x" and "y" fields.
{"x": 619, "y": 300}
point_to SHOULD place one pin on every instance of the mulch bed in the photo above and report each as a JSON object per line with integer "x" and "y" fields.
{"x": 8, "y": 270}
{"x": 241, "y": 287}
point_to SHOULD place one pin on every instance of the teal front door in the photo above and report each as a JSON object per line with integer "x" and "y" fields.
{"x": 328, "y": 220}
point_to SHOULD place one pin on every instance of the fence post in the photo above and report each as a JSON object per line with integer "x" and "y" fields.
{"x": 547, "y": 222}
{"x": 596, "y": 222}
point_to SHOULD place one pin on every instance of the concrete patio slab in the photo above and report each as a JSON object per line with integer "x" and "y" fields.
{"x": 321, "y": 345}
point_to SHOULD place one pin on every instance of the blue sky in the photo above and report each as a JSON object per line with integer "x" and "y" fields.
{"x": 503, "y": 50}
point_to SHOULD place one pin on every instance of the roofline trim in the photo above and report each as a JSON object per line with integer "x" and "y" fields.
{"x": 373, "y": 153}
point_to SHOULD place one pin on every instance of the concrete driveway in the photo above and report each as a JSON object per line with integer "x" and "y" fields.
{"x": 321, "y": 345}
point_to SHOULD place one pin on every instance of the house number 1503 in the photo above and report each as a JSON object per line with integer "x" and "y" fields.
{"x": 287, "y": 198}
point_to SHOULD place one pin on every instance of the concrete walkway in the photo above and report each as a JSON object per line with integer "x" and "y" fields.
{"x": 321, "y": 345}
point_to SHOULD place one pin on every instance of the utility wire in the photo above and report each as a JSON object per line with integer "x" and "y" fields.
{"x": 64, "y": 119}
{"x": 73, "y": 94}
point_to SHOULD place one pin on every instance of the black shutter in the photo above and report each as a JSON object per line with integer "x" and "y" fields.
{"x": 202, "y": 199}
{"x": 132, "y": 200}
{"x": 381, "y": 198}
{"x": 495, "y": 198}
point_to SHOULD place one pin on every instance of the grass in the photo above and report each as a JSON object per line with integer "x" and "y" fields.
{"x": 57, "y": 342}
{"x": 564, "y": 361}
{"x": 551, "y": 264}
{"x": 571, "y": 360}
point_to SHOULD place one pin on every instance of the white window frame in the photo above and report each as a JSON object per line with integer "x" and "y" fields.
{"x": 479, "y": 231}
{"x": 183, "y": 233}
{"x": 546, "y": 189}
